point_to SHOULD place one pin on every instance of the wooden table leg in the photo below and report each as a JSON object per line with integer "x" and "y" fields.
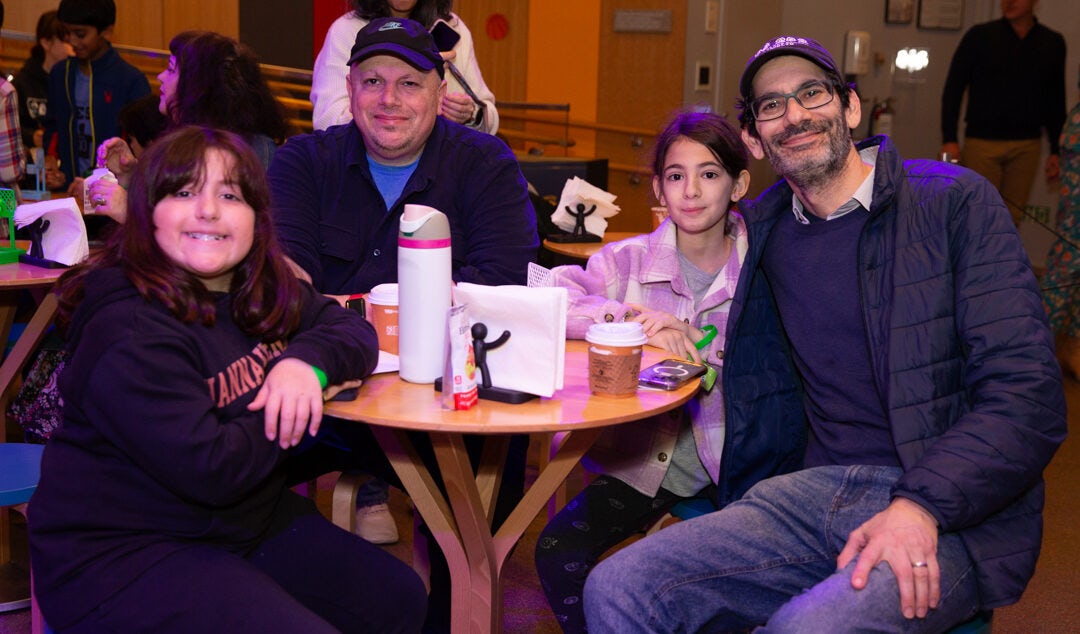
{"x": 431, "y": 505}
{"x": 573, "y": 447}
{"x": 461, "y": 520}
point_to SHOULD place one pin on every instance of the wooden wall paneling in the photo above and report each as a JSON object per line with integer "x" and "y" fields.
{"x": 641, "y": 83}
{"x": 222, "y": 16}
{"x": 139, "y": 23}
{"x": 502, "y": 62}
{"x": 23, "y": 15}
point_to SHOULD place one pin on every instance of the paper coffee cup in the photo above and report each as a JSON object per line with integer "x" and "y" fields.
{"x": 383, "y": 300}
{"x": 100, "y": 173}
{"x": 615, "y": 358}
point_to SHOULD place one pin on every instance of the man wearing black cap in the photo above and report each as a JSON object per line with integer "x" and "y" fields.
{"x": 338, "y": 197}
{"x": 339, "y": 193}
{"x": 891, "y": 334}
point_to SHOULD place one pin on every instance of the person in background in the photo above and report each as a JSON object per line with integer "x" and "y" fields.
{"x": 339, "y": 194}
{"x": 330, "y": 100}
{"x": 87, "y": 90}
{"x": 677, "y": 282}
{"x": 1061, "y": 284}
{"x": 211, "y": 80}
{"x": 32, "y": 84}
{"x": 1013, "y": 70}
{"x": 12, "y": 155}
{"x": 163, "y": 505}
{"x": 896, "y": 298}
{"x": 32, "y": 80}
{"x": 141, "y": 122}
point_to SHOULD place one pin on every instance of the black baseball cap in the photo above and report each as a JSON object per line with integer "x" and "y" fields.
{"x": 405, "y": 39}
{"x": 788, "y": 45}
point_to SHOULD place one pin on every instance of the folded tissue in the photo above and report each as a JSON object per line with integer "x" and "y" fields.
{"x": 63, "y": 233}
{"x": 531, "y": 359}
{"x": 584, "y": 208}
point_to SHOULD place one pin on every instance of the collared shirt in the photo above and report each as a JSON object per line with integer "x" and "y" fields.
{"x": 863, "y": 196}
{"x": 12, "y": 157}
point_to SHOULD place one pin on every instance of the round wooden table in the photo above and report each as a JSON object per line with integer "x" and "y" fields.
{"x": 585, "y": 250}
{"x": 461, "y": 519}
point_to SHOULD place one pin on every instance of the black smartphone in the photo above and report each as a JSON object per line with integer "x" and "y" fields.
{"x": 670, "y": 374}
{"x": 445, "y": 37}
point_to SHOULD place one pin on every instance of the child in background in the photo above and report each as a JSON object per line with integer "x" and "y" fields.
{"x": 32, "y": 81}
{"x": 140, "y": 123}
{"x": 678, "y": 283}
{"x": 32, "y": 84}
{"x": 87, "y": 91}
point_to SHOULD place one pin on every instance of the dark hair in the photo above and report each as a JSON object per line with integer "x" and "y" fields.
{"x": 141, "y": 120}
{"x": 221, "y": 85}
{"x": 100, "y": 14}
{"x": 746, "y": 117}
{"x": 709, "y": 129}
{"x": 266, "y": 301}
{"x": 425, "y": 12}
{"x": 49, "y": 26}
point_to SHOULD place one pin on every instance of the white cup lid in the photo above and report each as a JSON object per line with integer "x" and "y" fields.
{"x": 384, "y": 295}
{"x": 626, "y": 333}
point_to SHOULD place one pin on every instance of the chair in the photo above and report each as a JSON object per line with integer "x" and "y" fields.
{"x": 20, "y": 469}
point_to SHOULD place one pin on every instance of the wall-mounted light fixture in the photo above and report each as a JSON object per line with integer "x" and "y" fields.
{"x": 910, "y": 63}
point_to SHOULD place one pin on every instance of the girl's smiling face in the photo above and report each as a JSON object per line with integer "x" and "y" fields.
{"x": 207, "y": 228}
{"x": 696, "y": 188}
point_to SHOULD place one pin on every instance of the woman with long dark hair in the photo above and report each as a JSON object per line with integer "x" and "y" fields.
{"x": 211, "y": 80}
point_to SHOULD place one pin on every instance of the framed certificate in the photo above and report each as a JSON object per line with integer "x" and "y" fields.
{"x": 941, "y": 14}
{"x": 899, "y": 11}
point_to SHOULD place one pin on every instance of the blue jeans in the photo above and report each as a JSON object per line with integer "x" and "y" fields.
{"x": 770, "y": 559}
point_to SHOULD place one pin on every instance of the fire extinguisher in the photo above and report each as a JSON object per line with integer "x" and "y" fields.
{"x": 881, "y": 117}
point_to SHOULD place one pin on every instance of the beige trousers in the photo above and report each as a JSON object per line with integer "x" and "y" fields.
{"x": 1009, "y": 165}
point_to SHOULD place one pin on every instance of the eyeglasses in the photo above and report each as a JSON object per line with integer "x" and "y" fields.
{"x": 773, "y": 106}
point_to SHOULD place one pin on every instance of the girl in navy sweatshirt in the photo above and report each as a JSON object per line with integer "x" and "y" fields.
{"x": 196, "y": 363}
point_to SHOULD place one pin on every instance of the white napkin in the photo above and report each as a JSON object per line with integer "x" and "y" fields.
{"x": 64, "y": 240}
{"x": 532, "y": 358}
{"x": 578, "y": 191}
{"x": 388, "y": 362}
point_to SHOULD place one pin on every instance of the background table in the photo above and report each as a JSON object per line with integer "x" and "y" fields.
{"x": 585, "y": 250}
{"x": 14, "y": 278}
{"x": 461, "y": 519}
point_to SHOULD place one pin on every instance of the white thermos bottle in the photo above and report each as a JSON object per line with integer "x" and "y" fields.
{"x": 424, "y": 287}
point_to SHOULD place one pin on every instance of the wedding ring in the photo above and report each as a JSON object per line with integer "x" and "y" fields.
{"x": 918, "y": 564}
{"x": 99, "y": 201}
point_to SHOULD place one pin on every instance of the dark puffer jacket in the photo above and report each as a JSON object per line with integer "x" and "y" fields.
{"x": 962, "y": 354}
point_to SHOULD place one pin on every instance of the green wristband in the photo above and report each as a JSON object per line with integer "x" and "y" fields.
{"x": 321, "y": 376}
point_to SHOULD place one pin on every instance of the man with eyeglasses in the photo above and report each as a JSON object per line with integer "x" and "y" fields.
{"x": 890, "y": 330}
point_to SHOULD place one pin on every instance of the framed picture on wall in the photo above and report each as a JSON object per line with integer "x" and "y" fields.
{"x": 899, "y": 11}
{"x": 941, "y": 14}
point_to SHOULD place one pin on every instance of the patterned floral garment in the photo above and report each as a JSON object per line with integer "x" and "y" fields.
{"x": 1061, "y": 286}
